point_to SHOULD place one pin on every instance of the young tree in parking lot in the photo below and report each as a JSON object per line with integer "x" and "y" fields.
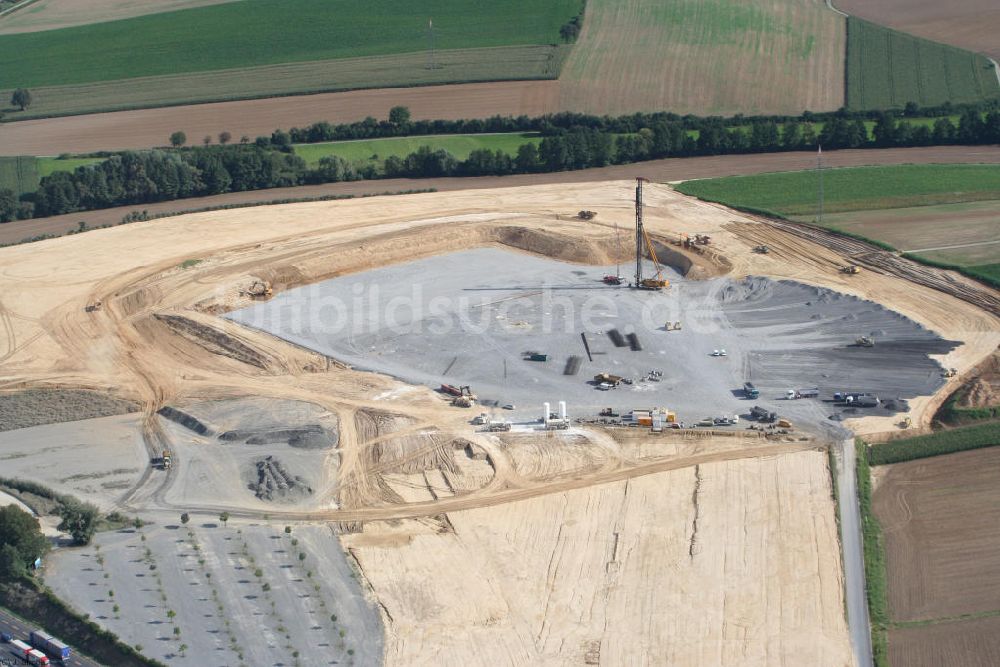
{"x": 224, "y": 517}
{"x": 21, "y": 98}
{"x": 178, "y": 139}
{"x": 185, "y": 518}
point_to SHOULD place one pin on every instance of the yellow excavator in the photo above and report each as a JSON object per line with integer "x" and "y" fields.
{"x": 642, "y": 240}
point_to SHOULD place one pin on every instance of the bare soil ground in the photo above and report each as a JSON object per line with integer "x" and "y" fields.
{"x": 672, "y": 169}
{"x": 939, "y": 521}
{"x": 54, "y": 14}
{"x": 775, "y": 56}
{"x": 972, "y": 643}
{"x": 147, "y": 128}
{"x": 970, "y": 24}
{"x": 758, "y": 523}
{"x": 684, "y": 568}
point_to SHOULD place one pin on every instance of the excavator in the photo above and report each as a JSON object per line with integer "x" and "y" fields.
{"x": 642, "y": 240}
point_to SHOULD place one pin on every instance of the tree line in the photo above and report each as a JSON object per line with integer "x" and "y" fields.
{"x": 161, "y": 175}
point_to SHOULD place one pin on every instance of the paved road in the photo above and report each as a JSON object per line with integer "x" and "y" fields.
{"x": 854, "y": 563}
{"x": 19, "y": 629}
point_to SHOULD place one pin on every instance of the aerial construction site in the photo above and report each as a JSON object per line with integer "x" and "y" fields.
{"x": 599, "y": 423}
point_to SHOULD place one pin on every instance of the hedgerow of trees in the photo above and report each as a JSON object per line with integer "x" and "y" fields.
{"x": 21, "y": 542}
{"x": 569, "y": 141}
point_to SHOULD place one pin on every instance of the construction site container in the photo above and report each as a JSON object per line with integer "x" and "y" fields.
{"x": 538, "y": 357}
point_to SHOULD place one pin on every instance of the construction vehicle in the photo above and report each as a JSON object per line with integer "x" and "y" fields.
{"x": 865, "y": 341}
{"x": 45, "y": 642}
{"x": 702, "y": 239}
{"x": 163, "y": 461}
{"x": 587, "y": 215}
{"x": 949, "y": 373}
{"x": 750, "y": 391}
{"x": 618, "y": 278}
{"x": 906, "y": 423}
{"x": 535, "y": 356}
{"x": 93, "y": 307}
{"x": 259, "y": 289}
{"x": 763, "y": 414}
{"x": 466, "y": 399}
{"x": 554, "y": 423}
{"x": 451, "y": 390}
{"x": 608, "y": 378}
{"x": 761, "y": 249}
{"x": 609, "y": 412}
{"x": 784, "y": 423}
{"x": 851, "y": 269}
{"x": 863, "y": 400}
{"x": 792, "y": 394}
{"x": 672, "y": 326}
{"x": 642, "y": 240}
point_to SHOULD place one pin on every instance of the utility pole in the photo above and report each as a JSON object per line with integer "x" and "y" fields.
{"x": 431, "y": 64}
{"x": 819, "y": 171}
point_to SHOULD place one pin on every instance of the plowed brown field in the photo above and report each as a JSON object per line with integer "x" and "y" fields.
{"x": 974, "y": 643}
{"x": 147, "y": 128}
{"x": 969, "y": 24}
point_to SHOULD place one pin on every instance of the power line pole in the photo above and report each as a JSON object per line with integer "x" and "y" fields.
{"x": 431, "y": 64}
{"x": 819, "y": 171}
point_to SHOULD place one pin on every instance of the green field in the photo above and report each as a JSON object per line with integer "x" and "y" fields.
{"x": 794, "y": 193}
{"x": 459, "y": 145}
{"x": 50, "y": 165}
{"x": 887, "y": 69}
{"x": 19, "y": 174}
{"x": 936, "y": 444}
{"x": 255, "y": 33}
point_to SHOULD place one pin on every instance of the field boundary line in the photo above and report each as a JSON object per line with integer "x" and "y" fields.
{"x": 950, "y": 247}
{"x": 20, "y": 5}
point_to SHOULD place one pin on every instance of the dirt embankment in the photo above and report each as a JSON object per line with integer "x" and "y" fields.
{"x": 668, "y": 170}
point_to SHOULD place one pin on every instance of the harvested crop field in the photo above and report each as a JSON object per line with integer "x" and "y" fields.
{"x": 969, "y": 24}
{"x": 965, "y": 233}
{"x": 942, "y": 538}
{"x": 152, "y": 127}
{"x": 888, "y": 69}
{"x": 719, "y": 57}
{"x": 55, "y": 14}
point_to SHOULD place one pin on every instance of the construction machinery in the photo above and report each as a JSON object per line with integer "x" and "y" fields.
{"x": 906, "y": 423}
{"x": 761, "y": 249}
{"x": 672, "y": 326}
{"x": 865, "y": 341}
{"x": 763, "y": 415}
{"x": 642, "y": 240}
{"x": 259, "y": 289}
{"x": 587, "y": 215}
{"x": 811, "y": 392}
{"x": 851, "y": 269}
{"x": 608, "y": 378}
{"x": 93, "y": 307}
{"x": 949, "y": 373}
{"x": 702, "y": 239}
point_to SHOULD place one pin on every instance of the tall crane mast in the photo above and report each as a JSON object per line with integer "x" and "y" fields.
{"x": 642, "y": 240}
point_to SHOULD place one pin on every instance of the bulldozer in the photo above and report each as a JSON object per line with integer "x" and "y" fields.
{"x": 467, "y": 399}
{"x": 259, "y": 289}
{"x": 865, "y": 341}
{"x": 851, "y": 269}
{"x": 761, "y": 249}
{"x": 587, "y": 215}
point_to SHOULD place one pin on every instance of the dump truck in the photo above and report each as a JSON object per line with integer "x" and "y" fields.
{"x": 43, "y": 641}
{"x": 750, "y": 391}
{"x": 851, "y": 269}
{"x": 451, "y": 390}
{"x": 811, "y": 392}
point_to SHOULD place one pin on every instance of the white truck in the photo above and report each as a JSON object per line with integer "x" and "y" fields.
{"x": 811, "y": 392}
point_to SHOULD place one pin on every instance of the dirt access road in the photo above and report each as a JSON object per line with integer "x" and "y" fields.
{"x": 668, "y": 170}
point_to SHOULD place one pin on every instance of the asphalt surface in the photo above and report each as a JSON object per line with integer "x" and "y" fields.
{"x": 19, "y": 629}
{"x": 854, "y": 562}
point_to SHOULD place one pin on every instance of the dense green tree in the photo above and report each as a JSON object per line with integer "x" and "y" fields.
{"x": 178, "y": 139}
{"x": 8, "y": 205}
{"x": 21, "y": 98}
{"x": 399, "y": 116}
{"x": 527, "y": 159}
{"x": 225, "y": 138}
{"x": 79, "y": 520}
{"x": 22, "y": 541}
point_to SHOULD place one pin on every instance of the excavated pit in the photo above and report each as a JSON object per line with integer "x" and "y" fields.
{"x": 474, "y": 318}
